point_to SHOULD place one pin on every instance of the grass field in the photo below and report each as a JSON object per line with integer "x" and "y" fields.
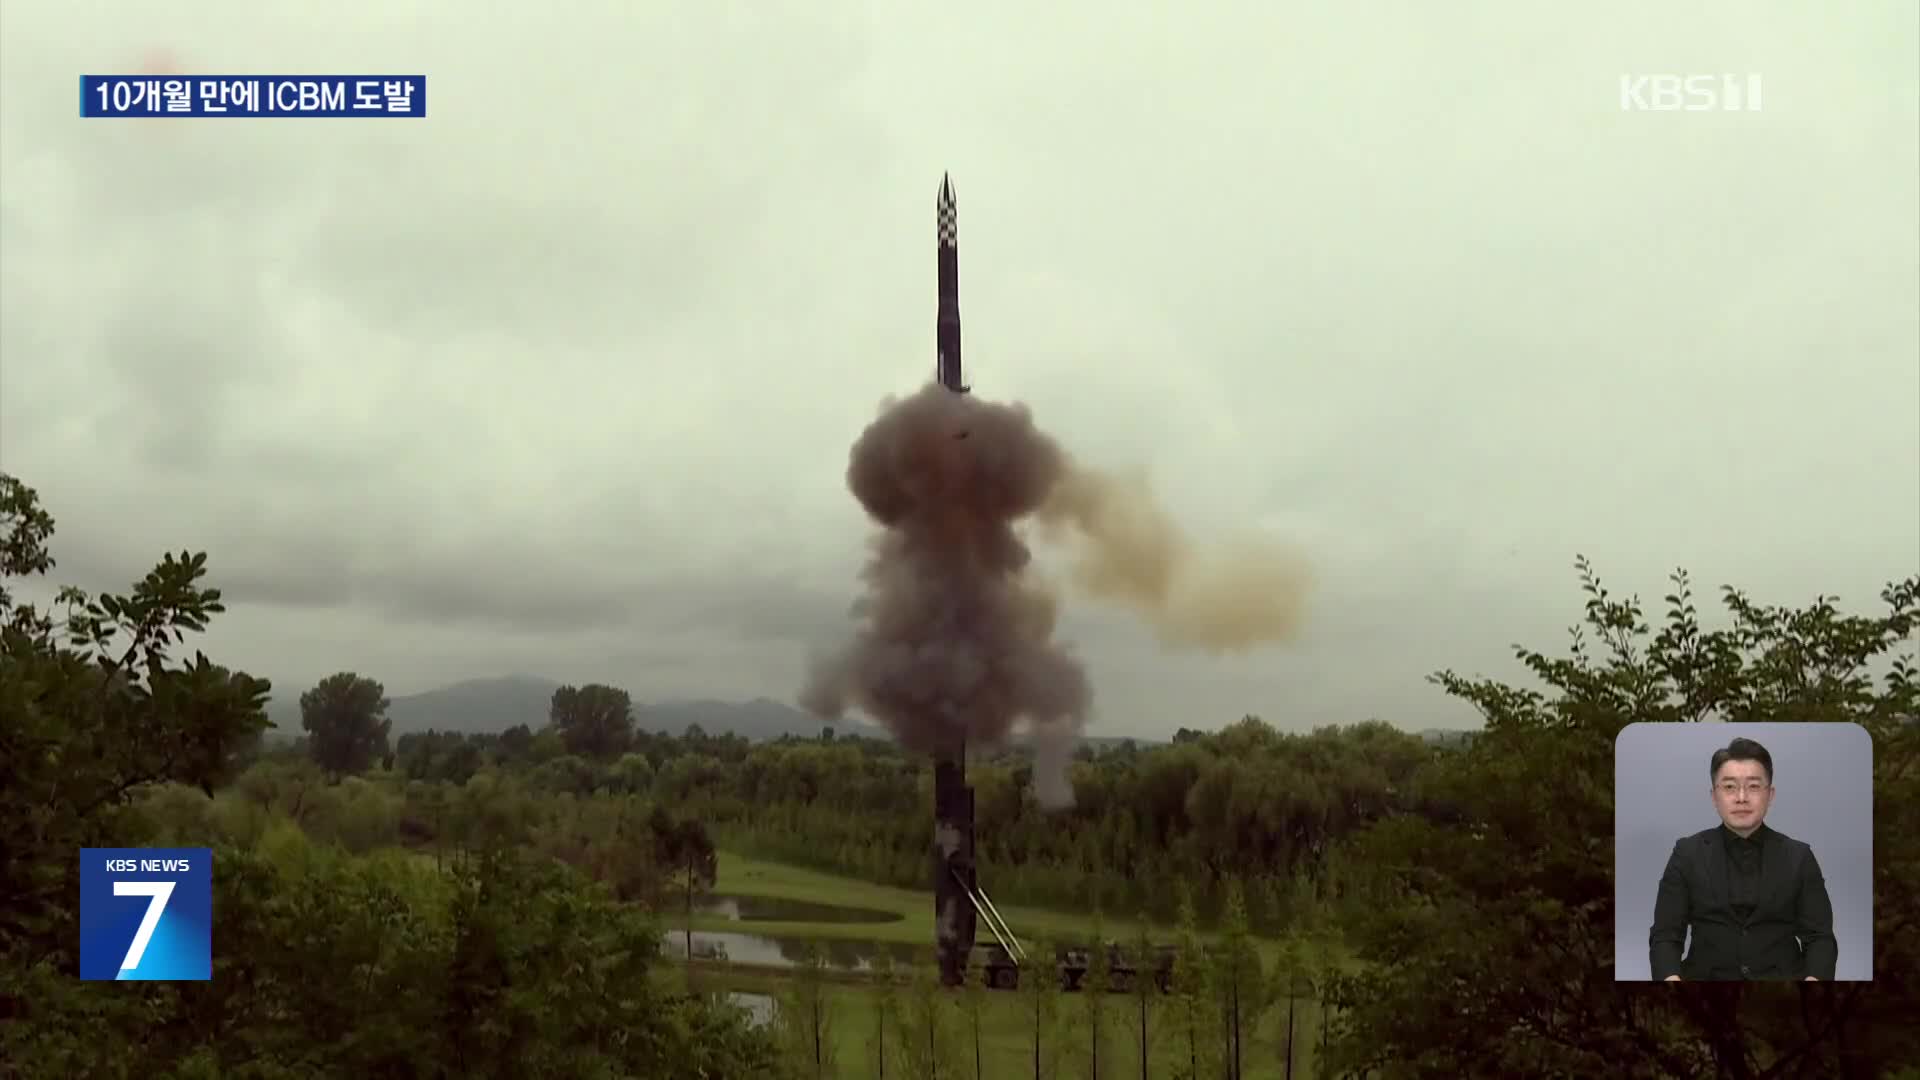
{"x": 1006, "y": 1024}
{"x": 744, "y": 876}
{"x": 1006, "y": 1035}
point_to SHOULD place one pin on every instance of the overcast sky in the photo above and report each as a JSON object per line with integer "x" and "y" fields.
{"x": 562, "y": 379}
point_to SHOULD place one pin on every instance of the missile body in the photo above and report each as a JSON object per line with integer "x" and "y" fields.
{"x": 946, "y": 334}
{"x": 955, "y": 878}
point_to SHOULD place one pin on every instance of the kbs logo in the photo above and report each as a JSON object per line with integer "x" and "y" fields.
{"x": 1689, "y": 93}
{"x": 146, "y": 913}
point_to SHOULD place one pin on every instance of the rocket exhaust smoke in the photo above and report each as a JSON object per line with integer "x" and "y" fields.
{"x": 954, "y": 635}
{"x": 1251, "y": 592}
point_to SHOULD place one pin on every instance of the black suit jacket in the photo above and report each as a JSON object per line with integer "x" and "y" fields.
{"x": 1788, "y": 936}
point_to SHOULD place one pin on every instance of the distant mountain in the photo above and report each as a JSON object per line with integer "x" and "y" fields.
{"x": 1449, "y": 736}
{"x": 284, "y": 710}
{"x": 476, "y": 705}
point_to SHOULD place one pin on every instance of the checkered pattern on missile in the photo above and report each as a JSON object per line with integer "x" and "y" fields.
{"x": 948, "y": 231}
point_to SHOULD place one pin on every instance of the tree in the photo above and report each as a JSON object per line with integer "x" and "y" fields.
{"x": 632, "y": 774}
{"x": 1040, "y": 985}
{"x": 567, "y": 773}
{"x": 1094, "y": 995}
{"x": 345, "y": 716}
{"x": 1192, "y": 1002}
{"x": 489, "y": 812}
{"x": 1145, "y": 969}
{"x": 429, "y": 804}
{"x": 973, "y": 1005}
{"x": 1240, "y": 991}
{"x": 925, "y": 1041}
{"x": 806, "y": 1016}
{"x": 594, "y": 721}
{"x": 685, "y": 847}
{"x": 545, "y": 746}
{"x": 1486, "y": 930}
{"x": 93, "y": 709}
{"x": 1290, "y": 981}
{"x": 515, "y": 743}
{"x": 1322, "y": 967}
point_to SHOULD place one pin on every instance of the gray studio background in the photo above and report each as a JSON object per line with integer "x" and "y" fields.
{"x": 1823, "y": 795}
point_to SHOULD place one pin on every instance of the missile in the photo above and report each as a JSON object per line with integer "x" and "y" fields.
{"x": 955, "y": 878}
{"x": 946, "y": 333}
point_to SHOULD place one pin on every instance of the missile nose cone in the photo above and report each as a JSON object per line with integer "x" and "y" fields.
{"x": 944, "y": 215}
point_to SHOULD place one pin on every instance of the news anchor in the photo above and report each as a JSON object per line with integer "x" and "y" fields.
{"x": 1753, "y": 897}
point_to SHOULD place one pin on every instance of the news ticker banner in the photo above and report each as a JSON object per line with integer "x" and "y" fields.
{"x": 146, "y": 914}
{"x": 146, "y": 96}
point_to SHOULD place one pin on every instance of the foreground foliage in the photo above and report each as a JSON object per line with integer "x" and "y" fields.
{"x": 1490, "y": 929}
{"x": 325, "y": 965}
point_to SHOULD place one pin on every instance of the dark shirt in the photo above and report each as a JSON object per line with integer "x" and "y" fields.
{"x": 1743, "y": 870}
{"x": 1742, "y": 925}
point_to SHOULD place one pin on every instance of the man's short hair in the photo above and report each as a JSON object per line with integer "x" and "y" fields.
{"x": 1742, "y": 750}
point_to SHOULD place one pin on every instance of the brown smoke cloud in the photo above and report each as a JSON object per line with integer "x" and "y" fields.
{"x": 954, "y": 639}
{"x": 1251, "y": 591}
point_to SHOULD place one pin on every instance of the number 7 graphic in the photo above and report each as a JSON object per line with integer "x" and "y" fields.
{"x": 160, "y": 891}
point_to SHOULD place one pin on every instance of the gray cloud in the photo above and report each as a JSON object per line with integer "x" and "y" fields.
{"x": 564, "y": 378}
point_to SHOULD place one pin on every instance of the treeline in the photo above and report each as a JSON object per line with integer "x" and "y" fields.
{"x": 641, "y": 851}
{"x": 1246, "y": 803}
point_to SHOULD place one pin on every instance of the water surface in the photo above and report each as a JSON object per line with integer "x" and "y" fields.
{"x": 759, "y": 1006}
{"x": 781, "y": 909}
{"x": 762, "y": 951}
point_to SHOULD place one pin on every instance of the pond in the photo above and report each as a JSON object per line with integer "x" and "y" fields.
{"x": 762, "y": 951}
{"x": 780, "y": 909}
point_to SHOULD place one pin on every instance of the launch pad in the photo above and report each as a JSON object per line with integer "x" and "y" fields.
{"x": 960, "y": 905}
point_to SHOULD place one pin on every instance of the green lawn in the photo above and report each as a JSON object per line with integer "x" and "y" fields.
{"x": 1006, "y": 1037}
{"x": 740, "y": 875}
